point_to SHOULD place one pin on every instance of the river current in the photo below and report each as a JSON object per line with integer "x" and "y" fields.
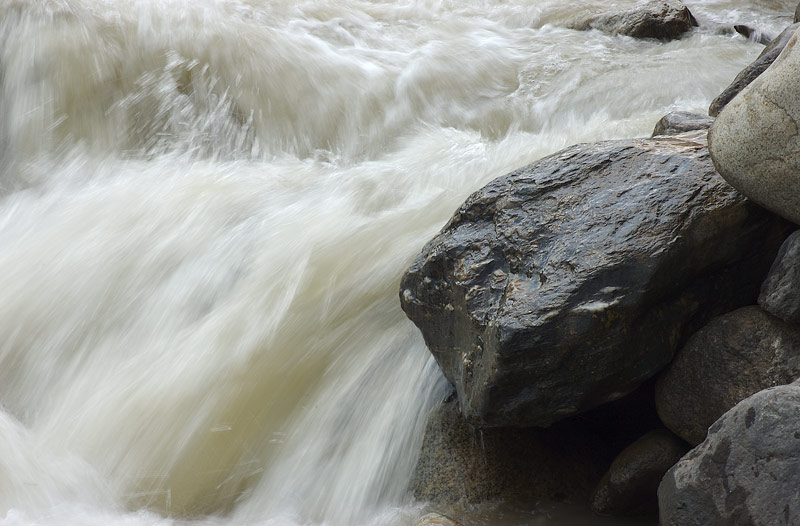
{"x": 206, "y": 209}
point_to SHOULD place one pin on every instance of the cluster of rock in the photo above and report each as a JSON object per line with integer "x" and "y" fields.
{"x": 606, "y": 309}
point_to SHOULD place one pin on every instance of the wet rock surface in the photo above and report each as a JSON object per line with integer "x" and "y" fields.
{"x": 436, "y": 519}
{"x": 746, "y": 472}
{"x": 678, "y": 122}
{"x": 780, "y": 292}
{"x": 662, "y": 19}
{"x": 754, "y": 70}
{"x": 734, "y": 356}
{"x": 565, "y": 284}
{"x": 753, "y": 34}
{"x": 629, "y": 486}
{"x": 463, "y": 465}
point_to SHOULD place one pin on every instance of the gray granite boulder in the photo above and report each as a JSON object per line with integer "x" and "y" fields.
{"x": 797, "y": 14}
{"x": 780, "y": 292}
{"x": 662, "y": 19}
{"x": 630, "y": 485}
{"x": 751, "y": 72}
{"x": 566, "y": 284}
{"x": 747, "y": 472}
{"x": 734, "y": 356}
{"x": 677, "y": 122}
{"x": 754, "y": 141}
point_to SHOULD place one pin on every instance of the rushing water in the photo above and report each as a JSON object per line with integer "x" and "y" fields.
{"x": 206, "y": 209}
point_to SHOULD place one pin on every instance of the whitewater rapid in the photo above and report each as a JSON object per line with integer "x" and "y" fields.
{"x": 206, "y": 209}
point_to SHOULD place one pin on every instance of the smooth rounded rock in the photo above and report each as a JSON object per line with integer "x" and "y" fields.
{"x": 734, "y": 356}
{"x": 753, "y": 70}
{"x": 746, "y": 473}
{"x": 630, "y": 486}
{"x": 780, "y": 292}
{"x": 755, "y": 143}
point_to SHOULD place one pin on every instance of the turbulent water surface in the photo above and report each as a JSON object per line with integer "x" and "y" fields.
{"x": 206, "y": 209}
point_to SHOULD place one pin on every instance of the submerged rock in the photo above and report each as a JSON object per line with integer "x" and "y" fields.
{"x": 754, "y": 141}
{"x": 566, "y": 284}
{"x": 462, "y": 465}
{"x": 747, "y": 472}
{"x": 677, "y": 122}
{"x": 630, "y": 485}
{"x": 734, "y": 356}
{"x": 662, "y": 19}
{"x": 754, "y": 70}
{"x": 436, "y": 519}
{"x": 753, "y": 34}
{"x": 780, "y": 292}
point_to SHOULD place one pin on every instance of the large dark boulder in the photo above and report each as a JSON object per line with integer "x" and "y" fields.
{"x": 780, "y": 292}
{"x": 747, "y": 472}
{"x": 565, "y": 284}
{"x": 630, "y": 485}
{"x": 734, "y": 356}
{"x": 753, "y": 71}
{"x": 662, "y": 19}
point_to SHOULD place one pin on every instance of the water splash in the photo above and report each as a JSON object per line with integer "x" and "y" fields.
{"x": 206, "y": 209}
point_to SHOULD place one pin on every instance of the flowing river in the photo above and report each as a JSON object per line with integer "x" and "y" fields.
{"x": 206, "y": 209}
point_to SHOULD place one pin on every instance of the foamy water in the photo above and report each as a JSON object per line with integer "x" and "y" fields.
{"x": 206, "y": 209}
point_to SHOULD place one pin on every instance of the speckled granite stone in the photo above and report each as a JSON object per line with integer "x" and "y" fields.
{"x": 754, "y": 142}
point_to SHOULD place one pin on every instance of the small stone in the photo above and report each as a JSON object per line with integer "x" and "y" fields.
{"x": 629, "y": 487}
{"x": 678, "y": 122}
{"x": 752, "y": 34}
{"x": 780, "y": 292}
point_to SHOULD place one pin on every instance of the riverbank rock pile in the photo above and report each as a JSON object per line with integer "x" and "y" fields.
{"x": 579, "y": 304}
